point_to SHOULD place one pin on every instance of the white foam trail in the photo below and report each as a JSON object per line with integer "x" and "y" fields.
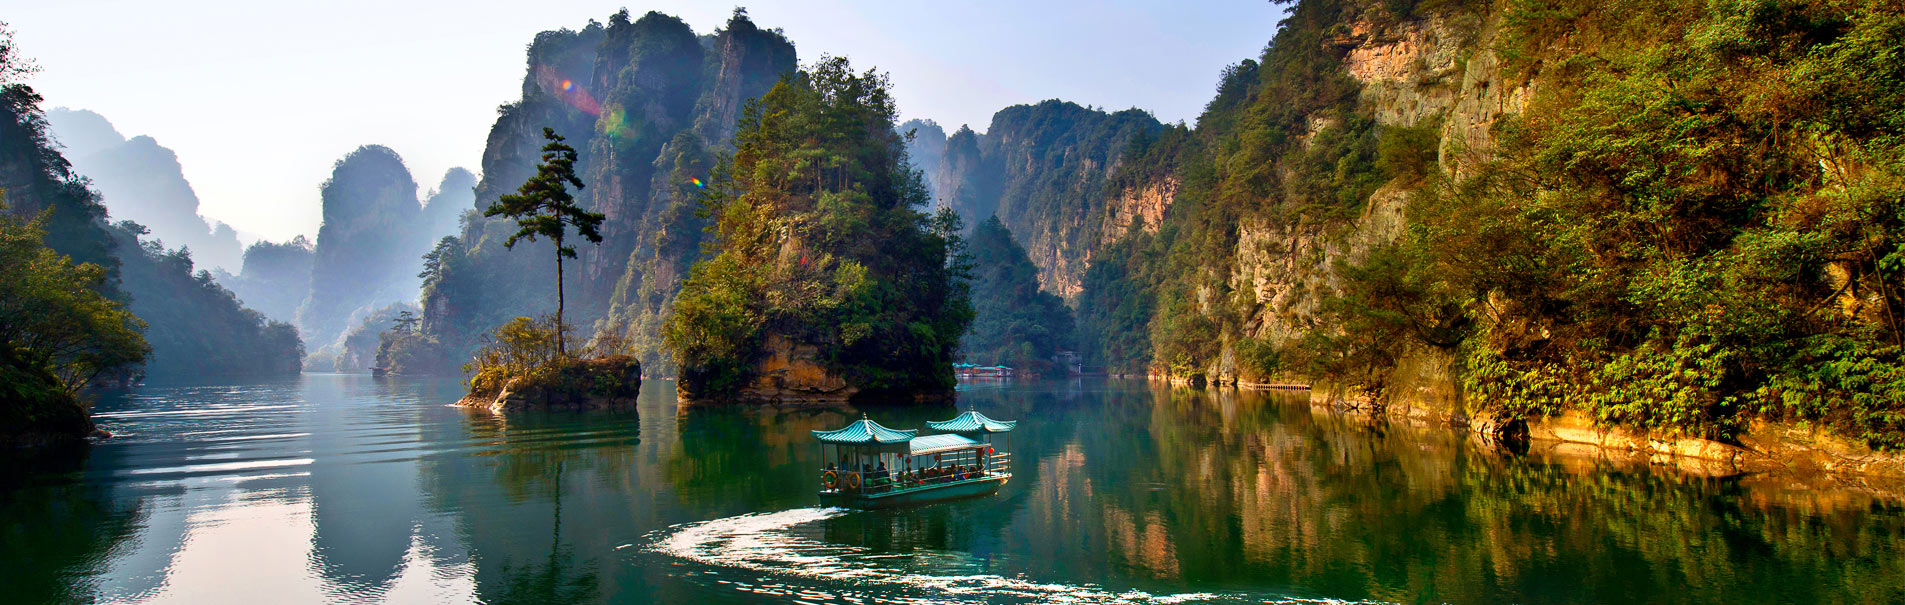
{"x": 759, "y": 542}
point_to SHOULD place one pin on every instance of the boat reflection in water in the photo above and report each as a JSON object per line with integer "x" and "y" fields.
{"x": 872, "y": 466}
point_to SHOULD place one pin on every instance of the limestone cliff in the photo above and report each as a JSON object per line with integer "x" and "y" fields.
{"x": 648, "y": 104}
{"x": 366, "y": 249}
{"x": 1043, "y": 169}
{"x": 789, "y": 373}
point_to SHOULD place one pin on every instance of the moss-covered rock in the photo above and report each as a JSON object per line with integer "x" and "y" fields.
{"x": 562, "y": 384}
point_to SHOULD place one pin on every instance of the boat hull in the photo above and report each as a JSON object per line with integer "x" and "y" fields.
{"x": 969, "y": 488}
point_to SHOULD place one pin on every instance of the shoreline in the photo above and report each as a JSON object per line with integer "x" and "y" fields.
{"x": 1778, "y": 452}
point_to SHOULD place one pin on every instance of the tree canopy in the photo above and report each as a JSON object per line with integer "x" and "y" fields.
{"x": 544, "y": 208}
{"x": 819, "y": 237}
{"x": 1014, "y": 322}
{"x": 53, "y": 316}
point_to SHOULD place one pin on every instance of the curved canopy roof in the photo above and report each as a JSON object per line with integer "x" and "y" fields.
{"x": 933, "y": 444}
{"x": 973, "y": 422}
{"x": 865, "y": 432}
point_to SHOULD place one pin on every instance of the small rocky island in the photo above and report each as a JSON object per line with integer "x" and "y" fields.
{"x": 561, "y": 384}
{"x": 527, "y": 363}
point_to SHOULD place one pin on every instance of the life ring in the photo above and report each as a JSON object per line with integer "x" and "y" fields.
{"x": 853, "y": 481}
{"x": 830, "y": 479}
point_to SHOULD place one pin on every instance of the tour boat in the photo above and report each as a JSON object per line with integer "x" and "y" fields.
{"x": 872, "y": 466}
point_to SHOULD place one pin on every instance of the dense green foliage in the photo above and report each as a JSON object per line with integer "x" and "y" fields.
{"x": 57, "y": 335}
{"x": 1703, "y": 222}
{"x": 1166, "y": 301}
{"x": 197, "y": 327}
{"x": 53, "y": 320}
{"x": 1693, "y": 221}
{"x": 818, "y": 238}
{"x": 1014, "y": 323}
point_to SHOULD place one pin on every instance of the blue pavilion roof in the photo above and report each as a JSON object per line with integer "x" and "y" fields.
{"x": 973, "y": 422}
{"x": 865, "y": 432}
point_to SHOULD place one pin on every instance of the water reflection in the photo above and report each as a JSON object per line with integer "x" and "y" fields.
{"x": 343, "y": 488}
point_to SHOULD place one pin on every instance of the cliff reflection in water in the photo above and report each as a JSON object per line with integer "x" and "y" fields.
{"x": 1239, "y": 491}
{"x": 340, "y": 488}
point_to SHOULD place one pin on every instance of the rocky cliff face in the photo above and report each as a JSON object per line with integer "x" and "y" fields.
{"x": 1437, "y": 72}
{"x": 445, "y": 205}
{"x": 789, "y": 373}
{"x": 647, "y": 104}
{"x": 1043, "y": 170}
{"x": 926, "y": 150}
{"x": 367, "y": 248}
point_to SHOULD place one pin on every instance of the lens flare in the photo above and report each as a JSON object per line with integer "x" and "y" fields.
{"x": 576, "y": 95}
{"x": 697, "y": 182}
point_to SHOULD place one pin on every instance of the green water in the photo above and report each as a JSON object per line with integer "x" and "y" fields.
{"x": 352, "y": 489}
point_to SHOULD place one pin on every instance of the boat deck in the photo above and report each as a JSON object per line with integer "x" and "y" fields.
{"x": 917, "y": 494}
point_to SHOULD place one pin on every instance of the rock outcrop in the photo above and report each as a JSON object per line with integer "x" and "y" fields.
{"x": 648, "y": 105}
{"x": 1042, "y": 169}
{"x": 365, "y": 254}
{"x": 585, "y": 384}
{"x": 789, "y": 374}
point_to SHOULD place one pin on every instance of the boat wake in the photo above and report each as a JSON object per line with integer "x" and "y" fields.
{"x": 786, "y": 565}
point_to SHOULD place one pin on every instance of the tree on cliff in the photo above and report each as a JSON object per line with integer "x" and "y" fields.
{"x": 57, "y": 333}
{"x": 543, "y": 207}
{"x": 820, "y": 240}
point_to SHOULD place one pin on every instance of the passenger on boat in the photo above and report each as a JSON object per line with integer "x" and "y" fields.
{"x": 880, "y": 473}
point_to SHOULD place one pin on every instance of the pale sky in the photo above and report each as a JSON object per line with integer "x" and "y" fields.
{"x": 259, "y": 98}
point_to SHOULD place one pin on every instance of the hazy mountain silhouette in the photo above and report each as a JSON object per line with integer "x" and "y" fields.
{"x": 140, "y": 180}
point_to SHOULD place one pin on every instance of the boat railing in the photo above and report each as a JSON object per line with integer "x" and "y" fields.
{"x": 874, "y": 482}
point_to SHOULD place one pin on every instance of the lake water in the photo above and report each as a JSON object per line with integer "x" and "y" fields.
{"x": 332, "y": 488}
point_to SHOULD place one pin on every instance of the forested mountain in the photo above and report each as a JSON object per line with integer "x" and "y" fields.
{"x": 276, "y": 278}
{"x": 1043, "y": 170}
{"x": 925, "y": 149}
{"x": 141, "y": 181}
{"x": 828, "y": 281}
{"x": 1014, "y": 322}
{"x": 444, "y": 206}
{"x": 1669, "y": 216}
{"x": 194, "y": 327}
{"x": 367, "y": 248}
{"x": 648, "y": 105}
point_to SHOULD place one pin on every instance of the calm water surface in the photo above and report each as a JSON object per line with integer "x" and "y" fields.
{"x": 335, "y": 488}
